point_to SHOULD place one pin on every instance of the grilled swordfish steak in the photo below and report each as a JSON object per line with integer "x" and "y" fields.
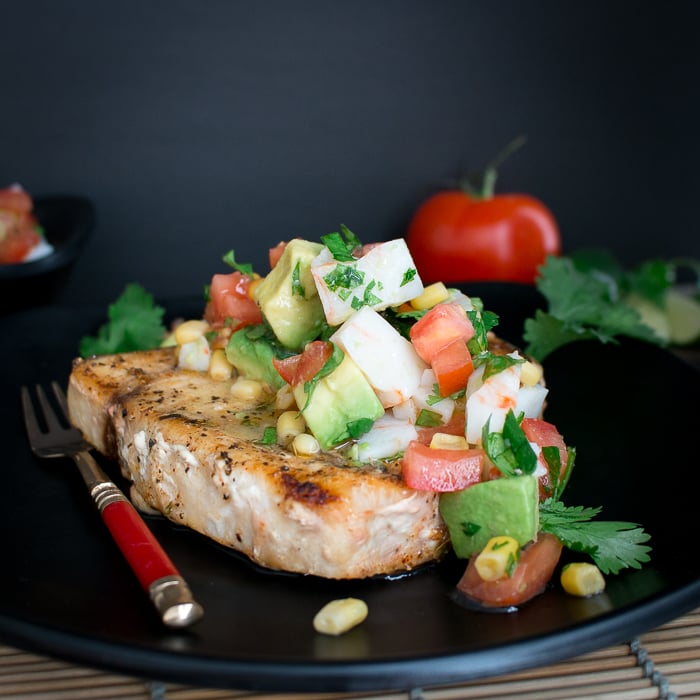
{"x": 192, "y": 453}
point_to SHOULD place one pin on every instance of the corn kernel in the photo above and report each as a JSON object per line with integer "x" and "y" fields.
{"x": 498, "y": 558}
{"x": 284, "y": 398}
{"x": 433, "y": 294}
{"x": 289, "y": 425}
{"x": 194, "y": 355}
{"x": 582, "y": 579}
{"x": 220, "y": 368}
{"x": 247, "y": 389}
{"x": 252, "y": 285}
{"x": 445, "y": 441}
{"x": 188, "y": 331}
{"x": 340, "y": 615}
{"x": 305, "y": 445}
{"x": 530, "y": 373}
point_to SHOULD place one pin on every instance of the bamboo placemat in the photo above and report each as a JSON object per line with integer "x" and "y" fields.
{"x": 663, "y": 663}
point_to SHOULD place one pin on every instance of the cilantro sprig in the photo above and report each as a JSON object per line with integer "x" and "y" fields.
{"x": 135, "y": 323}
{"x": 343, "y": 244}
{"x": 613, "y": 545}
{"x": 230, "y": 259}
{"x": 590, "y": 296}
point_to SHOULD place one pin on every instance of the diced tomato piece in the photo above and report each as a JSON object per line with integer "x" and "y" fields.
{"x": 18, "y": 236}
{"x": 303, "y": 367}
{"x": 545, "y": 434}
{"x": 442, "y": 325}
{"x": 427, "y": 469}
{"x": 534, "y": 570}
{"x": 15, "y": 199}
{"x": 229, "y": 299}
{"x": 452, "y": 366}
{"x": 276, "y": 253}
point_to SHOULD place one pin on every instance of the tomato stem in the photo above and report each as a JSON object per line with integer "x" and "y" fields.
{"x": 483, "y": 185}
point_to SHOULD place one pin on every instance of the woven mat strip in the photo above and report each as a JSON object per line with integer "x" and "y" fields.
{"x": 661, "y": 664}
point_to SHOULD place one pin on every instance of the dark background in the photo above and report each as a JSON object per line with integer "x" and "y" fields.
{"x": 196, "y": 127}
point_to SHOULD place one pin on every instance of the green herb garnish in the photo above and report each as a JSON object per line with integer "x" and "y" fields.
{"x": 297, "y": 286}
{"x": 509, "y": 450}
{"x": 269, "y": 436}
{"x": 408, "y": 276}
{"x": 244, "y": 268}
{"x": 342, "y": 245}
{"x": 359, "y": 427}
{"x": 613, "y": 545}
{"x": 135, "y": 323}
{"x": 428, "y": 419}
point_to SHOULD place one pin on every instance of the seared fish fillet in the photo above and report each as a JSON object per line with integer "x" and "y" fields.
{"x": 190, "y": 450}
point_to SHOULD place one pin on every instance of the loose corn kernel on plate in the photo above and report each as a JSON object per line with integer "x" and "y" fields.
{"x": 631, "y": 411}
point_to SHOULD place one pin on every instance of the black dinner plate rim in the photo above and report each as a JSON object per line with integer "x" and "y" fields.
{"x": 407, "y": 672}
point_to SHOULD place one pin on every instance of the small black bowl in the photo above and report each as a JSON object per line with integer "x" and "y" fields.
{"x": 67, "y": 222}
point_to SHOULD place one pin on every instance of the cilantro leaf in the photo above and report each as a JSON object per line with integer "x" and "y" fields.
{"x": 230, "y": 259}
{"x": 269, "y": 436}
{"x": 613, "y": 545}
{"x": 509, "y": 450}
{"x": 135, "y": 323}
{"x": 583, "y": 303}
{"x": 428, "y": 419}
{"x": 342, "y": 245}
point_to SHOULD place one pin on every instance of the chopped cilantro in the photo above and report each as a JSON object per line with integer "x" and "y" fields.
{"x": 469, "y": 528}
{"x": 344, "y": 277}
{"x": 493, "y": 364}
{"x": 428, "y": 419}
{"x": 408, "y": 276}
{"x": 342, "y": 245}
{"x": 359, "y": 427}
{"x": 244, "y": 268}
{"x": 483, "y": 322}
{"x": 297, "y": 286}
{"x": 135, "y": 323}
{"x": 509, "y": 450}
{"x": 269, "y": 436}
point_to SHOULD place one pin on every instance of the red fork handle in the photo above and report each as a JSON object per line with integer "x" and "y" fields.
{"x": 155, "y": 571}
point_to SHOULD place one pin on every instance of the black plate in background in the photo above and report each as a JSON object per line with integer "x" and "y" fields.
{"x": 630, "y": 410}
{"x": 68, "y": 222}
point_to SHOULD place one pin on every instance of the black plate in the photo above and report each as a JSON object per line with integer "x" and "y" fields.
{"x": 631, "y": 410}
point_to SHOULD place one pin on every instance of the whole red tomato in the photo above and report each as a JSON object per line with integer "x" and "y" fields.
{"x": 463, "y": 235}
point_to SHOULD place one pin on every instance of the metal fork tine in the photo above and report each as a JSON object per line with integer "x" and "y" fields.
{"x": 61, "y": 398}
{"x": 52, "y": 422}
{"x": 30, "y": 420}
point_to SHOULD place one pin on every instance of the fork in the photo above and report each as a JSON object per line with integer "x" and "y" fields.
{"x": 156, "y": 573}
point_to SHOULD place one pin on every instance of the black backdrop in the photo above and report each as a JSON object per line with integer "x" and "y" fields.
{"x": 198, "y": 126}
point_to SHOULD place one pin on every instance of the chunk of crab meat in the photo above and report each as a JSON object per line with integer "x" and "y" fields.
{"x": 388, "y": 437}
{"x": 490, "y": 400}
{"x": 425, "y": 396}
{"x": 385, "y": 357}
{"x": 385, "y": 276}
{"x": 530, "y": 400}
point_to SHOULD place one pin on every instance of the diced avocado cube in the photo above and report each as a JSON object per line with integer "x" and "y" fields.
{"x": 506, "y": 506}
{"x": 338, "y": 401}
{"x": 288, "y": 298}
{"x": 251, "y": 354}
